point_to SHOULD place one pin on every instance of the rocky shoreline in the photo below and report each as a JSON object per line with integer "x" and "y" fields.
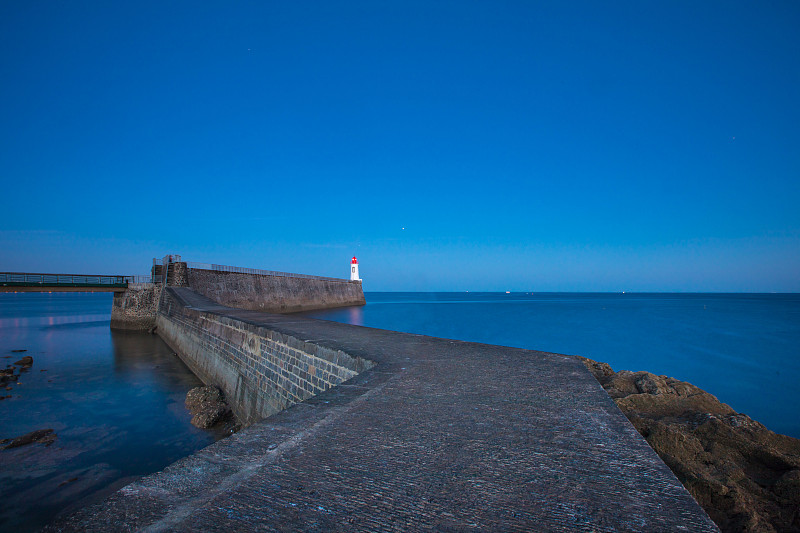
{"x": 746, "y": 477}
{"x": 13, "y": 373}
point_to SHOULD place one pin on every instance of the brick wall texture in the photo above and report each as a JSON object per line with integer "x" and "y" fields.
{"x": 178, "y": 276}
{"x": 135, "y": 309}
{"x": 260, "y": 370}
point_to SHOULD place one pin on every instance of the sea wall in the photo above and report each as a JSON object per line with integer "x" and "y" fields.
{"x": 135, "y": 309}
{"x": 274, "y": 294}
{"x": 421, "y": 441}
{"x": 261, "y": 371}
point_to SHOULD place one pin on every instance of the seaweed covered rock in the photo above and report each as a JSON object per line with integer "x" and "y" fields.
{"x": 42, "y": 436}
{"x": 26, "y": 361}
{"x": 746, "y": 477}
{"x": 208, "y": 407}
{"x": 7, "y": 374}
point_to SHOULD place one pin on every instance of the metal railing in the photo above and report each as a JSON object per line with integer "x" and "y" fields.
{"x": 24, "y": 279}
{"x": 146, "y": 278}
{"x": 258, "y": 272}
{"x": 21, "y": 279}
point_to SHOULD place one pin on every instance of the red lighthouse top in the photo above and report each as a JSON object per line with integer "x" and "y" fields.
{"x": 354, "y": 261}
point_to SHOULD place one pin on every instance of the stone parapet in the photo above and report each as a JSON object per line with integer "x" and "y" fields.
{"x": 135, "y": 309}
{"x": 178, "y": 276}
{"x": 260, "y": 370}
{"x": 274, "y": 294}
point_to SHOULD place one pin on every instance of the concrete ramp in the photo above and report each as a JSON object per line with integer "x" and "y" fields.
{"x": 438, "y": 435}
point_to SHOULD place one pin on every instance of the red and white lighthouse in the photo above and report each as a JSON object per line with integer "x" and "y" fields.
{"x": 354, "y": 270}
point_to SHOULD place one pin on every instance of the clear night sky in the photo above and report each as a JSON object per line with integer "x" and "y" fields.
{"x": 531, "y": 146}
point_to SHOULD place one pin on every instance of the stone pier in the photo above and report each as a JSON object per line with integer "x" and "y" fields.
{"x": 426, "y": 434}
{"x": 274, "y": 292}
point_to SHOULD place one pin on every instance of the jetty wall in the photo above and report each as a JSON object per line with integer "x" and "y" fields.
{"x": 135, "y": 309}
{"x": 421, "y": 441}
{"x": 274, "y": 293}
{"x": 260, "y": 370}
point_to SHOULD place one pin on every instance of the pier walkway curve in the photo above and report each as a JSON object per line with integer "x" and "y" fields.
{"x": 437, "y": 435}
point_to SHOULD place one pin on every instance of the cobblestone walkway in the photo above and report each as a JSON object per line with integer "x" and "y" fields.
{"x": 440, "y": 435}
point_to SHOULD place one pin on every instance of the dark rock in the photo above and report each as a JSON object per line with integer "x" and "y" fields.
{"x": 18, "y": 351}
{"x": 208, "y": 407}
{"x": 598, "y": 369}
{"x": 210, "y": 415}
{"x": 44, "y": 436}
{"x": 25, "y": 361}
{"x": 200, "y": 395}
{"x": 651, "y": 384}
{"x": 788, "y": 486}
{"x": 746, "y": 477}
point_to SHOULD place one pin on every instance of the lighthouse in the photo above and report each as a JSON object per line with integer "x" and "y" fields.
{"x": 354, "y": 270}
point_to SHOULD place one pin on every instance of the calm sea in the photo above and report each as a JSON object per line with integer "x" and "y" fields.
{"x": 114, "y": 399}
{"x": 743, "y": 348}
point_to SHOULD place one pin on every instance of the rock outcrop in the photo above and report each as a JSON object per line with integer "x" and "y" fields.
{"x": 42, "y": 436}
{"x": 25, "y": 362}
{"x": 208, "y": 407}
{"x": 11, "y": 373}
{"x": 8, "y": 374}
{"x": 746, "y": 477}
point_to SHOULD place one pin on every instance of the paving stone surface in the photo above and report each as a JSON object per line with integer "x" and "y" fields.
{"x": 440, "y": 435}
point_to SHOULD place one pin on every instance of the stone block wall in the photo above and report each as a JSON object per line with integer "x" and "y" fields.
{"x": 274, "y": 294}
{"x": 260, "y": 370}
{"x": 178, "y": 275}
{"x": 135, "y": 309}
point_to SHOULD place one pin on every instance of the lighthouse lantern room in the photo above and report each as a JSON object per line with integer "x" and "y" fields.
{"x": 354, "y": 270}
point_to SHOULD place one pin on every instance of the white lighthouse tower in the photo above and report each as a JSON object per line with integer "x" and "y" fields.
{"x": 354, "y": 270}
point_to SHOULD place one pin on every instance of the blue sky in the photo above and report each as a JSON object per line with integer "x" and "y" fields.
{"x": 561, "y": 146}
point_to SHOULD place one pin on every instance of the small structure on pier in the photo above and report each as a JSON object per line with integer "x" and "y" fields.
{"x": 354, "y": 269}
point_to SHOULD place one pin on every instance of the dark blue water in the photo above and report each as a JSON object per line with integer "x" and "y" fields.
{"x": 115, "y": 400}
{"x": 743, "y": 348}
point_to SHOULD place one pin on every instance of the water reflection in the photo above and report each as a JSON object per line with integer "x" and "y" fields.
{"x": 349, "y": 315}
{"x": 143, "y": 360}
{"x": 114, "y": 399}
{"x": 48, "y": 321}
{"x": 355, "y": 315}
